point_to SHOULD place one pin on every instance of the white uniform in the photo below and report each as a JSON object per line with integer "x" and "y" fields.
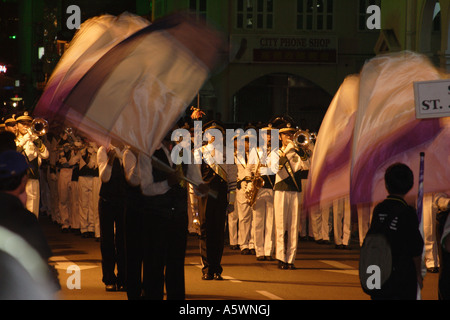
{"x": 34, "y": 156}
{"x": 233, "y": 218}
{"x": 320, "y": 222}
{"x": 342, "y": 221}
{"x": 432, "y": 203}
{"x": 244, "y": 211}
{"x": 64, "y": 176}
{"x": 287, "y": 205}
{"x": 263, "y": 224}
{"x": 89, "y": 189}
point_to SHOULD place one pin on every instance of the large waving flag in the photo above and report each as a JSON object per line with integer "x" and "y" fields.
{"x": 384, "y": 131}
{"x": 329, "y": 176}
{"x": 95, "y": 37}
{"x": 138, "y": 89}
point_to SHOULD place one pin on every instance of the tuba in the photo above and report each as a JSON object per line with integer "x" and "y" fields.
{"x": 39, "y": 127}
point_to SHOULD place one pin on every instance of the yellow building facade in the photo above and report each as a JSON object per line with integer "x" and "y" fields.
{"x": 286, "y": 56}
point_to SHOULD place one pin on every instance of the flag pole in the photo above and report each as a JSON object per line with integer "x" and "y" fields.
{"x": 420, "y": 213}
{"x": 166, "y": 168}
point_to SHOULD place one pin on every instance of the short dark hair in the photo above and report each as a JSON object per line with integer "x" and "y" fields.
{"x": 399, "y": 179}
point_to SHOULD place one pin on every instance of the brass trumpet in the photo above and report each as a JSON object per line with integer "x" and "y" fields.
{"x": 301, "y": 139}
{"x": 39, "y": 127}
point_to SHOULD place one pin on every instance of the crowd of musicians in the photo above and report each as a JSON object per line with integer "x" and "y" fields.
{"x": 142, "y": 213}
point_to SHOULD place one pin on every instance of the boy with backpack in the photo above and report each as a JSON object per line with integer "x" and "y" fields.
{"x": 398, "y": 222}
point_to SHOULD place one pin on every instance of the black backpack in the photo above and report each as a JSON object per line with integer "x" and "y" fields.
{"x": 376, "y": 260}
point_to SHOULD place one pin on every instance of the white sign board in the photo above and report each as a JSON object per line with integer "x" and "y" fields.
{"x": 432, "y": 99}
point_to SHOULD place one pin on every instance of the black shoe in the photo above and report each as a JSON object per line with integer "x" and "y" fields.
{"x": 110, "y": 287}
{"x": 253, "y": 252}
{"x": 269, "y": 258}
{"x": 260, "y": 258}
{"x": 65, "y": 230}
{"x": 234, "y": 247}
{"x": 282, "y": 265}
{"x": 339, "y": 246}
{"x": 217, "y": 276}
{"x": 245, "y": 251}
{"x": 207, "y": 276}
{"x": 290, "y": 266}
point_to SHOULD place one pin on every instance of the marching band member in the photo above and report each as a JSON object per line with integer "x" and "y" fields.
{"x": 65, "y": 165}
{"x": 111, "y": 211}
{"x": 89, "y": 192}
{"x": 11, "y": 124}
{"x": 288, "y": 197}
{"x": 245, "y": 212}
{"x": 263, "y": 218}
{"x": 342, "y": 224}
{"x": 213, "y": 210}
{"x": 233, "y": 218}
{"x": 164, "y": 218}
{"x": 30, "y": 145}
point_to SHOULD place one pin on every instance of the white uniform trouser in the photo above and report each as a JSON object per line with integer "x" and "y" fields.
{"x": 87, "y": 207}
{"x": 32, "y": 191}
{"x": 263, "y": 224}
{"x": 233, "y": 219}
{"x": 245, "y": 214}
{"x": 429, "y": 232}
{"x": 342, "y": 221}
{"x": 75, "y": 205}
{"x": 286, "y": 205}
{"x": 364, "y": 218}
{"x": 320, "y": 222}
{"x": 64, "y": 178}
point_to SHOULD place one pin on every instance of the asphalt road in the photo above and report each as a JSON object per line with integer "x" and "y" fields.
{"x": 323, "y": 273}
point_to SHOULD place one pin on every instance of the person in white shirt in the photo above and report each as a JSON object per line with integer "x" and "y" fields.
{"x": 288, "y": 196}
{"x": 32, "y": 147}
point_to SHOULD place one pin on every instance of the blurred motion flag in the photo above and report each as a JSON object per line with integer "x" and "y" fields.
{"x": 372, "y": 124}
{"x": 136, "y": 91}
{"x": 95, "y": 37}
{"x": 329, "y": 175}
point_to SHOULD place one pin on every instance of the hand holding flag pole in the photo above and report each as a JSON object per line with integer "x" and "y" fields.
{"x": 166, "y": 168}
